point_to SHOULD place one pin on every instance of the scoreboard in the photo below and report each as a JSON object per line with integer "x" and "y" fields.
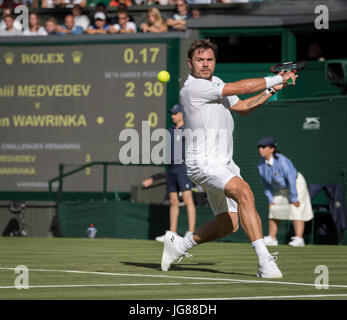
{"x": 68, "y": 103}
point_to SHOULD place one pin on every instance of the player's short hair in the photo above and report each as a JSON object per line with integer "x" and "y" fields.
{"x": 202, "y": 44}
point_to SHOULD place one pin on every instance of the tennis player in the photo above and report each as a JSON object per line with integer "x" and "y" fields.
{"x": 209, "y": 126}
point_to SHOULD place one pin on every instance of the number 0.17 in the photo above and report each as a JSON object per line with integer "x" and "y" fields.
{"x": 145, "y": 55}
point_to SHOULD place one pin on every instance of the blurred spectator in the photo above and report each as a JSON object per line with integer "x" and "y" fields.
{"x": 100, "y": 26}
{"x": 155, "y": 22}
{"x": 157, "y": 2}
{"x": 51, "y": 26}
{"x": 50, "y": 3}
{"x": 29, "y": 3}
{"x": 62, "y": 3}
{"x": 151, "y": 2}
{"x": 178, "y": 21}
{"x": 9, "y": 29}
{"x": 69, "y": 26}
{"x": 200, "y": 1}
{"x": 80, "y": 19}
{"x": 314, "y": 52}
{"x": 123, "y": 25}
{"x": 122, "y": 7}
{"x": 94, "y": 3}
{"x": 195, "y": 13}
{"x": 116, "y": 3}
{"x": 8, "y": 4}
{"x": 102, "y": 8}
{"x": 9, "y": 11}
{"x": 35, "y": 29}
{"x": 71, "y": 3}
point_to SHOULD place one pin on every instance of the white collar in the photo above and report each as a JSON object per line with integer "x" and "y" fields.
{"x": 270, "y": 161}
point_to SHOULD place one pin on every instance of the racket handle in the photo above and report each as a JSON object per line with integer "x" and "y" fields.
{"x": 290, "y": 81}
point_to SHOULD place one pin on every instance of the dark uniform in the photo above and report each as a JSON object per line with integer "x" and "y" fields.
{"x": 177, "y": 179}
{"x": 176, "y": 175}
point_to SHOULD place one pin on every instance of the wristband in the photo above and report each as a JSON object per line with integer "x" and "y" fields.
{"x": 274, "y": 80}
{"x": 271, "y": 91}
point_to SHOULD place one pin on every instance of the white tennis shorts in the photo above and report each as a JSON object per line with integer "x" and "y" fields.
{"x": 213, "y": 175}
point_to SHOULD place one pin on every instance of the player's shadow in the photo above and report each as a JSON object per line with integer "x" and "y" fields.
{"x": 185, "y": 267}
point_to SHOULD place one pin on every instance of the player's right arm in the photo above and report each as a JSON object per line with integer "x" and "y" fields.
{"x": 254, "y": 85}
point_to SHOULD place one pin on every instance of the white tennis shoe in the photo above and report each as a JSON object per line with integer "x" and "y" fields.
{"x": 269, "y": 241}
{"x": 297, "y": 242}
{"x": 268, "y": 268}
{"x": 160, "y": 238}
{"x": 171, "y": 252}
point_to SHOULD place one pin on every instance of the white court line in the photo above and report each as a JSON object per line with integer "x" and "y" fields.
{"x": 181, "y": 277}
{"x": 276, "y": 297}
{"x": 115, "y": 285}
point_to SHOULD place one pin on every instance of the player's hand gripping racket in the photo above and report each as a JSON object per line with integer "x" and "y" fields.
{"x": 288, "y": 66}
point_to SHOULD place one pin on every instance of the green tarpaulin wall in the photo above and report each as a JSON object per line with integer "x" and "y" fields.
{"x": 123, "y": 219}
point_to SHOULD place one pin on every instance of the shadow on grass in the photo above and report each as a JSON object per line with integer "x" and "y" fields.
{"x": 186, "y": 267}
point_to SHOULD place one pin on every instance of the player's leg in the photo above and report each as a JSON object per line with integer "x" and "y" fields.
{"x": 225, "y": 224}
{"x": 240, "y": 191}
{"x": 176, "y": 247}
{"x": 174, "y": 211}
{"x": 187, "y": 197}
{"x": 220, "y": 181}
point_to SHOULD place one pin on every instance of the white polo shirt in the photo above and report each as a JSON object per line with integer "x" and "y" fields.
{"x": 129, "y": 26}
{"x": 208, "y": 122}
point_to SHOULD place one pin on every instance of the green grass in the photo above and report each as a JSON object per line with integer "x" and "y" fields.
{"x": 135, "y": 265}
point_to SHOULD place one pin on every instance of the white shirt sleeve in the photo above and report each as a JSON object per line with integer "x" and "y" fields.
{"x": 204, "y": 90}
{"x": 232, "y": 100}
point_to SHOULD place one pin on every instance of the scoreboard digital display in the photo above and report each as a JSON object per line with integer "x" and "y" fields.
{"x": 69, "y": 103}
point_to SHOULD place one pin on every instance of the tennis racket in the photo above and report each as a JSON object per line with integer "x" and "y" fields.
{"x": 288, "y": 66}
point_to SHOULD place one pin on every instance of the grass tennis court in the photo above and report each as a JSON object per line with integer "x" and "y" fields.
{"x": 70, "y": 268}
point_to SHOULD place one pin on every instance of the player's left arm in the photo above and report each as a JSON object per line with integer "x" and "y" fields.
{"x": 245, "y": 107}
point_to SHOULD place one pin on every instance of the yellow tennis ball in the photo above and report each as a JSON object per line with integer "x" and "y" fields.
{"x": 163, "y": 76}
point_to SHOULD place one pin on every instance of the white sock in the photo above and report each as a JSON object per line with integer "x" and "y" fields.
{"x": 260, "y": 249}
{"x": 187, "y": 242}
